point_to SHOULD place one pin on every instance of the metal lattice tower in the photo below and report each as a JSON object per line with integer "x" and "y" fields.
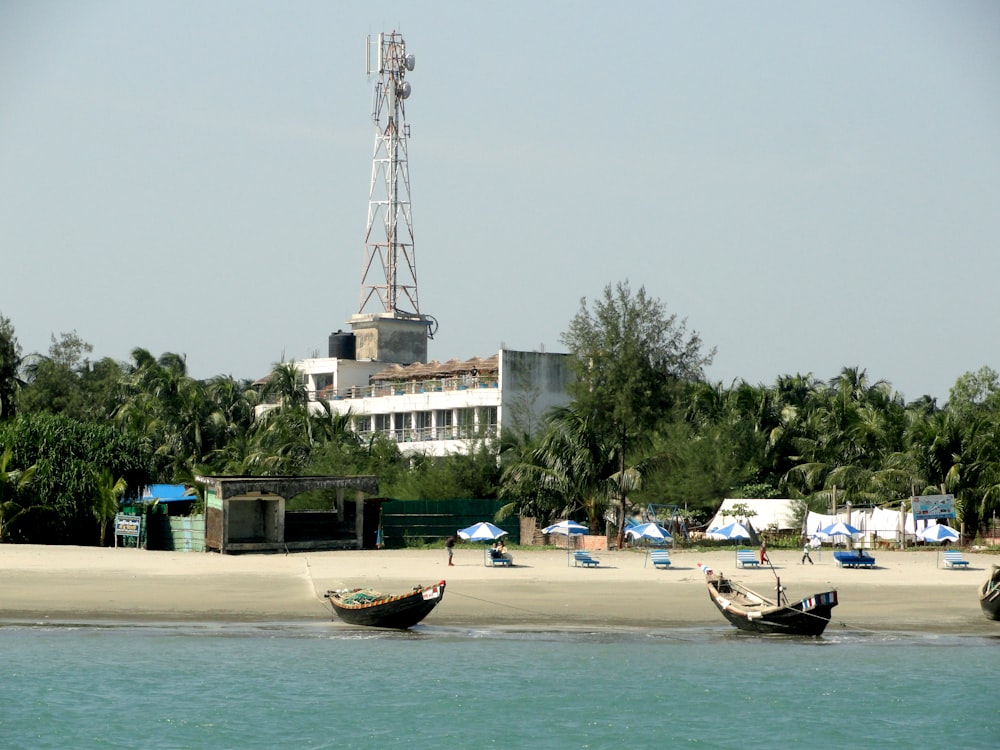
{"x": 389, "y": 273}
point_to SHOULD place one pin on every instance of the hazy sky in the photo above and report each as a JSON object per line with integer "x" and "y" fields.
{"x": 812, "y": 185}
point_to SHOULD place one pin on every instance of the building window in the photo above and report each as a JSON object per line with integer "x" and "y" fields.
{"x": 404, "y": 426}
{"x": 466, "y": 423}
{"x": 444, "y": 420}
{"x": 488, "y": 421}
{"x": 424, "y": 420}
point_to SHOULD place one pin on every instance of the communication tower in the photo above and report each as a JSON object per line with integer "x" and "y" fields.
{"x": 388, "y": 324}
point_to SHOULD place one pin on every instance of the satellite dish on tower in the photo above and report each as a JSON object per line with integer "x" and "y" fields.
{"x": 410, "y": 61}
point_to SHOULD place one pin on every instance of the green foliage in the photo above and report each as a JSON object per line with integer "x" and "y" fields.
{"x": 13, "y": 483}
{"x": 447, "y": 477}
{"x": 10, "y": 364}
{"x": 66, "y": 382}
{"x": 66, "y": 454}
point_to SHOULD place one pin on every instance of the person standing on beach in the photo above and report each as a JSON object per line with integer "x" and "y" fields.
{"x": 805, "y": 554}
{"x": 450, "y": 546}
{"x": 763, "y": 552}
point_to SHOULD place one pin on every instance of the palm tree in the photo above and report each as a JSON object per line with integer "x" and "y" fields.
{"x": 12, "y": 482}
{"x": 571, "y": 469}
{"x": 107, "y": 492}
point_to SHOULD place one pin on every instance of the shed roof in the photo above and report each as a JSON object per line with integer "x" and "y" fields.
{"x": 234, "y": 486}
{"x": 166, "y": 493}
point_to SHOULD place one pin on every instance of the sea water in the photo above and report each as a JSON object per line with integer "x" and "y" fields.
{"x": 326, "y": 685}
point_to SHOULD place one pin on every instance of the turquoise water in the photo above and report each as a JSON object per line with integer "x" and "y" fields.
{"x": 329, "y": 686}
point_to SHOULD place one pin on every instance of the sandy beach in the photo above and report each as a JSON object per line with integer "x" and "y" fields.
{"x": 907, "y": 591}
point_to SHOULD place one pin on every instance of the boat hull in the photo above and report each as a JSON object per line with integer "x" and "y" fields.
{"x": 989, "y": 595}
{"x": 808, "y": 617}
{"x": 384, "y": 611}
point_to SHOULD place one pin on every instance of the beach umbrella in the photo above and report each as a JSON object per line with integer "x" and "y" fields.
{"x": 483, "y": 531}
{"x": 939, "y": 532}
{"x": 568, "y": 528}
{"x": 652, "y": 531}
{"x": 840, "y": 529}
{"x": 733, "y": 530}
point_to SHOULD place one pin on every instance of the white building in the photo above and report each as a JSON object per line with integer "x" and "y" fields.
{"x": 439, "y": 408}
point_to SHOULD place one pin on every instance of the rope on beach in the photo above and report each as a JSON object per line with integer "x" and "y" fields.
{"x": 502, "y": 604}
{"x": 841, "y": 623}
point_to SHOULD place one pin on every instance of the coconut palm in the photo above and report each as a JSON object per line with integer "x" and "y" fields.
{"x": 108, "y": 491}
{"x": 12, "y": 482}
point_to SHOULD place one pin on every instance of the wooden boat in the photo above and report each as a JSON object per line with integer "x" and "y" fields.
{"x": 368, "y": 607}
{"x": 989, "y": 596}
{"x": 750, "y": 611}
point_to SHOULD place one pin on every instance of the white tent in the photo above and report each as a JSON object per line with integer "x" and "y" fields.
{"x": 774, "y": 513}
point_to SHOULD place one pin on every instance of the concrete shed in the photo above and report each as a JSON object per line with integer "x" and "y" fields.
{"x": 248, "y": 514}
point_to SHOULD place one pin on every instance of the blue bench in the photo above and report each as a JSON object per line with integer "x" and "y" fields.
{"x": 953, "y": 559}
{"x": 746, "y": 557}
{"x": 584, "y": 559}
{"x": 853, "y": 560}
{"x": 501, "y": 561}
{"x": 660, "y": 558}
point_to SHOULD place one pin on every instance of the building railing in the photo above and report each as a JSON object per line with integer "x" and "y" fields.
{"x": 435, "y": 385}
{"x": 420, "y": 434}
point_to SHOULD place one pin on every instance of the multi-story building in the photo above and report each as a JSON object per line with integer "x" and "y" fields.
{"x": 438, "y": 407}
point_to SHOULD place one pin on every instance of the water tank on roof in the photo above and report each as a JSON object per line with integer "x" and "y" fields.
{"x": 342, "y": 345}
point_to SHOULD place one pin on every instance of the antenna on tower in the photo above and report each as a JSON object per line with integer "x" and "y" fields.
{"x": 389, "y": 272}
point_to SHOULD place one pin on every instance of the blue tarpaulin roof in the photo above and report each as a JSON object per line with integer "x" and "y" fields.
{"x": 166, "y": 493}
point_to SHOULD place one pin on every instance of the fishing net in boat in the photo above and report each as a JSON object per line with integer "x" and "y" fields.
{"x": 361, "y": 596}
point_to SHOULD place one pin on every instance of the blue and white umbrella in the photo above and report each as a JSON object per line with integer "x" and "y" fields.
{"x": 568, "y": 528}
{"x": 653, "y": 532}
{"x": 733, "y": 530}
{"x": 840, "y": 529}
{"x": 939, "y": 532}
{"x": 483, "y": 531}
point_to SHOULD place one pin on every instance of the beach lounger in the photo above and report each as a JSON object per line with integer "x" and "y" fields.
{"x": 853, "y": 560}
{"x": 746, "y": 557}
{"x": 953, "y": 559}
{"x": 660, "y": 558}
{"x": 584, "y": 559}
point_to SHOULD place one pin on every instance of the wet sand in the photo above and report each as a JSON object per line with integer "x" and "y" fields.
{"x": 907, "y": 591}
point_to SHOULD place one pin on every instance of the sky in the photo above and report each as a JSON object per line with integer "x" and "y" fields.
{"x": 809, "y": 185}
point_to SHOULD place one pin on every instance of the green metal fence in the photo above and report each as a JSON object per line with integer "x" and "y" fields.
{"x": 428, "y": 521}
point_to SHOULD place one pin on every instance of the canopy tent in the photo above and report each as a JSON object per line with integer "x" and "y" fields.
{"x": 768, "y": 513}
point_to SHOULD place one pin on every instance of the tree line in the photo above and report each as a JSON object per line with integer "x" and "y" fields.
{"x": 643, "y": 425}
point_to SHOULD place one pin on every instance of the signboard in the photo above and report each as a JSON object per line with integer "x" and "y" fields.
{"x": 128, "y": 526}
{"x": 927, "y": 507}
